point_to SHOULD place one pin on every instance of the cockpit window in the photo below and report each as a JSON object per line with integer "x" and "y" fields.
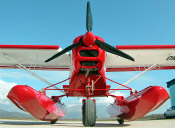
{"x": 89, "y": 53}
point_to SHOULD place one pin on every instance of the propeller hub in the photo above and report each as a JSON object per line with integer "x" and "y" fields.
{"x": 89, "y": 39}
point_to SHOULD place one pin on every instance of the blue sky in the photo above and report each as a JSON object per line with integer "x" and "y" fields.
{"x": 58, "y": 22}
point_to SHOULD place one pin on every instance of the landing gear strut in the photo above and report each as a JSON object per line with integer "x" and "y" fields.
{"x": 120, "y": 121}
{"x": 89, "y": 112}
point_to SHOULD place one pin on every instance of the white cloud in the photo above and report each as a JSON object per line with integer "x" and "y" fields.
{"x": 5, "y": 88}
{"x": 108, "y": 100}
{"x": 74, "y": 104}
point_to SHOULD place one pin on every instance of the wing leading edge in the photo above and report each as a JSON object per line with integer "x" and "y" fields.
{"x": 144, "y": 55}
{"x": 33, "y": 57}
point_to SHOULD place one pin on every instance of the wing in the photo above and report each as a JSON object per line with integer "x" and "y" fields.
{"x": 33, "y": 57}
{"x": 145, "y": 56}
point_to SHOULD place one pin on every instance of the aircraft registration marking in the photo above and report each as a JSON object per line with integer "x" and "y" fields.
{"x": 171, "y": 58}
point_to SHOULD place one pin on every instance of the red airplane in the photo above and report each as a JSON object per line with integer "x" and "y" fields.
{"x": 88, "y": 63}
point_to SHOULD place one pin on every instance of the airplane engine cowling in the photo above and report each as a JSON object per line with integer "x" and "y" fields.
{"x": 35, "y": 102}
{"x": 139, "y": 104}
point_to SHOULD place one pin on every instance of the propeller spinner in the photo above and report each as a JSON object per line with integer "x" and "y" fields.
{"x": 89, "y": 40}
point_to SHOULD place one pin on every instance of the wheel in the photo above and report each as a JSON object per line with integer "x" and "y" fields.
{"x": 89, "y": 113}
{"x": 120, "y": 121}
{"x": 53, "y": 121}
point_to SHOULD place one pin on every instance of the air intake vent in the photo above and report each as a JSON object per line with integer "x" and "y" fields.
{"x": 89, "y": 53}
{"x": 88, "y": 63}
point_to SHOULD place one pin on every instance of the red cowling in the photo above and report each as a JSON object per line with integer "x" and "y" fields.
{"x": 34, "y": 102}
{"x": 89, "y": 39}
{"x": 139, "y": 104}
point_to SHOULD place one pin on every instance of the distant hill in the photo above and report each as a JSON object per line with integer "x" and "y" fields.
{"x": 152, "y": 117}
{"x": 6, "y": 114}
{"x": 20, "y": 115}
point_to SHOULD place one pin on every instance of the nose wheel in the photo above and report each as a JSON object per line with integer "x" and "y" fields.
{"x": 89, "y": 112}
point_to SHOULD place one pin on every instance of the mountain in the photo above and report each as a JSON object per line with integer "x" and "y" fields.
{"x": 6, "y": 114}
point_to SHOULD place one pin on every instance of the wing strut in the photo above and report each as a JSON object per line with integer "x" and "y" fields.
{"x": 139, "y": 75}
{"x": 30, "y": 72}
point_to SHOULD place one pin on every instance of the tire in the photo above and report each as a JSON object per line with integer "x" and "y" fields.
{"x": 120, "y": 121}
{"x": 89, "y": 113}
{"x": 53, "y": 121}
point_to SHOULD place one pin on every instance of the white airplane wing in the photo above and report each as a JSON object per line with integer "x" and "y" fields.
{"x": 33, "y": 57}
{"x": 144, "y": 55}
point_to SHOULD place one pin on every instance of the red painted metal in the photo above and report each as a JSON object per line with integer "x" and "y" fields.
{"x": 30, "y": 46}
{"x": 67, "y": 89}
{"x": 88, "y": 81}
{"x": 36, "y": 103}
{"x": 89, "y": 39}
{"x": 85, "y": 90}
{"x": 97, "y": 79}
{"x": 145, "y": 46}
{"x": 78, "y": 80}
{"x": 139, "y": 104}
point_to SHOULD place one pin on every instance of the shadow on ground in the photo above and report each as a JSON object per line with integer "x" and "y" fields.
{"x": 24, "y": 123}
{"x": 68, "y": 124}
